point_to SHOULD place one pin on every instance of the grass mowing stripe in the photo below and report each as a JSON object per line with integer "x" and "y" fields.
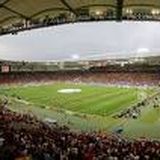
{"x": 109, "y": 105}
{"x": 91, "y": 99}
{"x": 36, "y": 92}
{"x": 45, "y": 98}
{"x": 87, "y": 102}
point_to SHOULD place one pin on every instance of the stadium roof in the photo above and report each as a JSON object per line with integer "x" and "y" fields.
{"x": 18, "y": 15}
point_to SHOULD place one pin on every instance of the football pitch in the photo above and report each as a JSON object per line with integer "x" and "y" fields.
{"x": 86, "y": 107}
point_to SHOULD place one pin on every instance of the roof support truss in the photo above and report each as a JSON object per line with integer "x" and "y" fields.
{"x": 15, "y": 12}
{"x": 69, "y": 7}
{"x": 3, "y": 3}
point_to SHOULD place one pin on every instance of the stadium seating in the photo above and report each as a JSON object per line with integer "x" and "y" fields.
{"x": 25, "y": 137}
{"x": 119, "y": 78}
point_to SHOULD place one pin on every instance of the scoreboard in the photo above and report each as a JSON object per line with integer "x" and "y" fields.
{"x": 5, "y": 69}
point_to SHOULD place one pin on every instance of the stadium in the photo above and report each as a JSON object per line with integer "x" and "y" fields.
{"x": 82, "y": 107}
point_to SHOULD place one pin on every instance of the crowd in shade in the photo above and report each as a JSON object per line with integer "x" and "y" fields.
{"x": 25, "y": 137}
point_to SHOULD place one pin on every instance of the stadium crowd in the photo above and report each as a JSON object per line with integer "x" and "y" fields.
{"x": 118, "y": 78}
{"x": 25, "y": 137}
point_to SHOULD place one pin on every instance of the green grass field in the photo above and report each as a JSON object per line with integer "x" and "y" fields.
{"x": 90, "y": 110}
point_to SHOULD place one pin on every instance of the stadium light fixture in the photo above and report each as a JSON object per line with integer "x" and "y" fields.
{"x": 129, "y": 11}
{"x": 75, "y": 57}
{"x": 142, "y": 50}
{"x": 98, "y": 12}
{"x": 155, "y": 11}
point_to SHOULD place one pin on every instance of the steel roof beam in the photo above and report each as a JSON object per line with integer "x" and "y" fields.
{"x": 3, "y": 3}
{"x": 15, "y": 12}
{"x": 69, "y": 7}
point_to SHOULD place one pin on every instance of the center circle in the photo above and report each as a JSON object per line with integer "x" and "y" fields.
{"x": 70, "y": 90}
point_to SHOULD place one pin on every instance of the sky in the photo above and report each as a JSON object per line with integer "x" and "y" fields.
{"x": 83, "y": 41}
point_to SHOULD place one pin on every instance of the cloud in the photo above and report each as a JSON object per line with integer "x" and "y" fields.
{"x": 84, "y": 40}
